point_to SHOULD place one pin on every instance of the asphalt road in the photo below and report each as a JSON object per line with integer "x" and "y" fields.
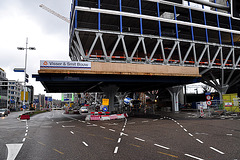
{"x": 54, "y": 135}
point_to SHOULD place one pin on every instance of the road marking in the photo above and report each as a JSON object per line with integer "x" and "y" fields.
{"x": 121, "y": 133}
{"x": 72, "y": 132}
{"x": 190, "y": 134}
{"x": 58, "y": 151}
{"x": 161, "y": 146}
{"x": 112, "y": 130}
{"x": 113, "y": 124}
{"x": 88, "y": 123}
{"x": 119, "y": 140}
{"x": 185, "y": 130}
{"x": 139, "y": 139}
{"x": 193, "y": 157}
{"x": 26, "y": 130}
{"x": 217, "y": 150}
{"x": 123, "y": 129}
{"x": 199, "y": 140}
{"x": 155, "y": 120}
{"x": 178, "y": 123}
{"x": 109, "y": 138}
{"x": 229, "y": 134}
{"x": 102, "y": 127}
{"x": 144, "y": 121}
{"x": 64, "y": 122}
{"x": 13, "y": 150}
{"x": 85, "y": 143}
{"x": 93, "y": 125}
{"x": 41, "y": 143}
{"x": 68, "y": 126}
{"x": 116, "y": 150}
{"x": 25, "y": 134}
{"x": 134, "y": 145}
{"x": 45, "y": 126}
{"x": 168, "y": 154}
{"x": 132, "y": 123}
{"x": 181, "y": 126}
{"x": 26, "y": 127}
{"x": 24, "y": 139}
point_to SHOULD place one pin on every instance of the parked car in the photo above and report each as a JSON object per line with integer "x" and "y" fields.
{"x": 3, "y": 112}
{"x": 84, "y": 110}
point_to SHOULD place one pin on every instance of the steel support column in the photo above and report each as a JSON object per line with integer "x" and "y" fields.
{"x": 174, "y": 91}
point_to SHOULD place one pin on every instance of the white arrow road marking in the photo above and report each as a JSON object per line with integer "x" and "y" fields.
{"x": 13, "y": 150}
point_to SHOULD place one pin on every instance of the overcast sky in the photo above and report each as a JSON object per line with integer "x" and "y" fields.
{"x": 20, "y": 19}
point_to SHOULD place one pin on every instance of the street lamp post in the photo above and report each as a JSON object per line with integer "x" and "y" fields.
{"x": 24, "y": 86}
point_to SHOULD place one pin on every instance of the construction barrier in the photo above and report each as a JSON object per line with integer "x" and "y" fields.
{"x": 95, "y": 117}
{"x": 105, "y": 117}
{"x": 25, "y": 117}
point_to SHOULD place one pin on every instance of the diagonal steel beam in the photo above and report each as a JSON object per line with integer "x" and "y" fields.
{"x": 155, "y": 48}
{"x": 171, "y": 53}
{"x": 80, "y": 44}
{"x": 136, "y": 47}
{"x": 187, "y": 53}
{"x": 203, "y": 52}
{"x": 124, "y": 47}
{"x": 115, "y": 46}
{"x": 229, "y": 54}
{"x": 215, "y": 56}
{"x": 93, "y": 44}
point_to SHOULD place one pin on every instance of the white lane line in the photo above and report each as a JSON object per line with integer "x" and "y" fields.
{"x": 185, "y": 130}
{"x": 116, "y": 150}
{"x": 25, "y": 134}
{"x": 26, "y": 130}
{"x": 24, "y": 139}
{"x": 217, "y": 150}
{"x": 193, "y": 157}
{"x": 85, "y": 143}
{"x": 121, "y": 133}
{"x": 155, "y": 120}
{"x": 13, "y": 150}
{"x": 132, "y": 123}
{"x": 26, "y": 127}
{"x": 144, "y": 121}
{"x": 88, "y": 123}
{"x": 112, "y": 130}
{"x": 139, "y": 139}
{"x": 161, "y": 146}
{"x": 68, "y": 126}
{"x": 102, "y": 127}
{"x": 178, "y": 123}
{"x": 190, "y": 134}
{"x": 229, "y": 134}
{"x": 119, "y": 140}
{"x": 199, "y": 141}
{"x": 181, "y": 126}
{"x": 161, "y": 118}
{"x": 72, "y": 132}
{"x": 123, "y": 129}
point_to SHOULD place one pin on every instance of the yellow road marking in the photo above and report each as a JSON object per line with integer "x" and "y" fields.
{"x": 109, "y": 138}
{"x": 135, "y": 145}
{"x": 41, "y": 143}
{"x": 168, "y": 154}
{"x": 58, "y": 151}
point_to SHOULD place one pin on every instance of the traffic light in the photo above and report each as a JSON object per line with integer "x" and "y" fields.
{"x": 26, "y": 78}
{"x": 236, "y": 8}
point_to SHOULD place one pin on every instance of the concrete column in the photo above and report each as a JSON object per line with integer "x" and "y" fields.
{"x": 174, "y": 91}
{"x": 110, "y": 92}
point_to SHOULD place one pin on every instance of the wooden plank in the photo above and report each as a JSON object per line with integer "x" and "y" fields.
{"x": 131, "y": 69}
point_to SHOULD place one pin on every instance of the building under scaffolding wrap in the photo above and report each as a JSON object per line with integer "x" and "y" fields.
{"x": 155, "y": 32}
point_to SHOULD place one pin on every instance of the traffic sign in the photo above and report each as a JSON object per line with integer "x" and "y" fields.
{"x": 209, "y": 103}
{"x": 105, "y": 109}
{"x": 105, "y": 102}
{"x": 19, "y": 69}
{"x": 24, "y": 106}
{"x": 208, "y": 97}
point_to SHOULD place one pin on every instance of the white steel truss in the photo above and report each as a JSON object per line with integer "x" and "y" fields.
{"x": 208, "y": 55}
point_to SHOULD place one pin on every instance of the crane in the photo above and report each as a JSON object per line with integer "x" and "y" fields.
{"x": 55, "y": 13}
